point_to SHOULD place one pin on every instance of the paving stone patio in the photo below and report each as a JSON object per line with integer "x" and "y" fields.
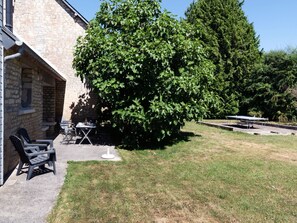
{"x": 257, "y": 129}
{"x": 31, "y": 201}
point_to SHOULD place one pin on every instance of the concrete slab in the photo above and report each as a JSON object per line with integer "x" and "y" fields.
{"x": 31, "y": 201}
{"x": 257, "y": 129}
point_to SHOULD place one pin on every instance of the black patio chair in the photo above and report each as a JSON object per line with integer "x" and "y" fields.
{"x": 32, "y": 157}
{"x": 41, "y": 143}
{"x": 68, "y": 131}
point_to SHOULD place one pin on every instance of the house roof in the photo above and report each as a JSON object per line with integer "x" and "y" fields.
{"x": 11, "y": 40}
{"x": 75, "y": 12}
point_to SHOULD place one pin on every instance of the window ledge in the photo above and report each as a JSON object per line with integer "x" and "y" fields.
{"x": 24, "y": 111}
{"x": 49, "y": 123}
{"x": 44, "y": 128}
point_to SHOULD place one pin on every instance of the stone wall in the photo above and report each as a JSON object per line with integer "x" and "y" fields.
{"x": 60, "y": 96}
{"x": 51, "y": 28}
{"x": 11, "y": 98}
{"x": 16, "y": 117}
{"x": 49, "y": 103}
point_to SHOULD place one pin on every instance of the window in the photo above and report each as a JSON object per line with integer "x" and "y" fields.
{"x": 26, "y": 91}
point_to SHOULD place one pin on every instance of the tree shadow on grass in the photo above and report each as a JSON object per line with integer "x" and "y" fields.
{"x": 109, "y": 136}
{"x": 181, "y": 137}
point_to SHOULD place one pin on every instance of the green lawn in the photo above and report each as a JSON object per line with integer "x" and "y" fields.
{"x": 214, "y": 176}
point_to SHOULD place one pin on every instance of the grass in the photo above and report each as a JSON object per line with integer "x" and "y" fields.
{"x": 214, "y": 176}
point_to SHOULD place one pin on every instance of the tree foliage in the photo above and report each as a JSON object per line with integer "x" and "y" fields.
{"x": 232, "y": 46}
{"x": 149, "y": 72}
{"x": 273, "y": 86}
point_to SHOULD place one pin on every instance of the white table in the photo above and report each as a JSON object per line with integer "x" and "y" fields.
{"x": 249, "y": 120}
{"x": 85, "y": 129}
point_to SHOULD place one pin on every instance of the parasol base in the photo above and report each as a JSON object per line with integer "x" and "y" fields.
{"x": 108, "y": 156}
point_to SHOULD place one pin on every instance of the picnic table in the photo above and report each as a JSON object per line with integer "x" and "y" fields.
{"x": 247, "y": 120}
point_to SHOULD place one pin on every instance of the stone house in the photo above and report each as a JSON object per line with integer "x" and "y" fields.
{"x": 52, "y": 28}
{"x": 30, "y": 90}
{"x": 39, "y": 84}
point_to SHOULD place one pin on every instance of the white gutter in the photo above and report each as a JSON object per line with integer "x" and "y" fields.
{"x": 16, "y": 55}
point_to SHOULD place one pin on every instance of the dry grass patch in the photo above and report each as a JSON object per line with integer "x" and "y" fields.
{"x": 214, "y": 176}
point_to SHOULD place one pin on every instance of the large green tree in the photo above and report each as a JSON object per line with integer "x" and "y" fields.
{"x": 149, "y": 71}
{"x": 232, "y": 46}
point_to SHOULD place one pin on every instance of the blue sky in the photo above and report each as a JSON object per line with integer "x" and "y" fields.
{"x": 275, "y": 21}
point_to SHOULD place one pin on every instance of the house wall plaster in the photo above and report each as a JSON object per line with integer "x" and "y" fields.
{"x": 52, "y": 29}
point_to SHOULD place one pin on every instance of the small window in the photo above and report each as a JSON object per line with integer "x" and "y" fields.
{"x": 26, "y": 91}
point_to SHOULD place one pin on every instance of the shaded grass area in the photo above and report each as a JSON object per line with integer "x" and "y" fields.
{"x": 214, "y": 176}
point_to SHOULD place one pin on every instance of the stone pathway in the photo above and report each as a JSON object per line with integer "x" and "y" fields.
{"x": 31, "y": 201}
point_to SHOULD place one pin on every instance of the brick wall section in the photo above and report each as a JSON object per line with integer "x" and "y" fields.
{"x": 49, "y": 107}
{"x": 52, "y": 29}
{"x": 49, "y": 103}
{"x": 12, "y": 101}
{"x": 11, "y": 98}
{"x": 60, "y": 94}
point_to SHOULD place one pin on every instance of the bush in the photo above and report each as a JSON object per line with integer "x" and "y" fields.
{"x": 148, "y": 71}
{"x": 272, "y": 88}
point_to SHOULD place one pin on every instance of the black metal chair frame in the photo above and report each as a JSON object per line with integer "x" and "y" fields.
{"x": 68, "y": 131}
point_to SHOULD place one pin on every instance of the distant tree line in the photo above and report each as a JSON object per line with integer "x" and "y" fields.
{"x": 272, "y": 88}
{"x": 249, "y": 81}
{"x": 153, "y": 72}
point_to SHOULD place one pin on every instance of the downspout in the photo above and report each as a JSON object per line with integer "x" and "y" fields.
{"x": 18, "y": 54}
{"x": 2, "y": 119}
{"x": 9, "y": 19}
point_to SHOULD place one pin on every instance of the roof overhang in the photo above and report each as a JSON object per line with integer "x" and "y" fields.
{"x": 10, "y": 41}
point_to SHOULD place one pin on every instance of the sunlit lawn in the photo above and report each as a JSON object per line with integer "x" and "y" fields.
{"x": 214, "y": 176}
